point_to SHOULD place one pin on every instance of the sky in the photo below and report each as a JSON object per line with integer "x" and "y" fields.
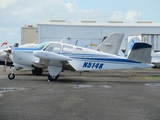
{"x": 16, "y": 13}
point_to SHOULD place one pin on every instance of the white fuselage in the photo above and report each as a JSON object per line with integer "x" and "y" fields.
{"x": 82, "y": 59}
{"x": 23, "y": 57}
{"x": 106, "y": 62}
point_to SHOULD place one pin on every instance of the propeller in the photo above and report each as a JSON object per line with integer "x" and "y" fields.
{"x": 6, "y": 57}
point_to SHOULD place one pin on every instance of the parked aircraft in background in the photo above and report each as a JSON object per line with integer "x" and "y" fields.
{"x": 111, "y": 44}
{"x": 20, "y": 56}
{"x": 156, "y": 58}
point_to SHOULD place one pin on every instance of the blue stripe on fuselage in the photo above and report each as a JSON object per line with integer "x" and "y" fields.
{"x": 96, "y": 57}
{"x": 22, "y": 48}
{"x": 108, "y": 60}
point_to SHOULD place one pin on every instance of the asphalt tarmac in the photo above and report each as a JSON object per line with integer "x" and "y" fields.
{"x": 100, "y": 95}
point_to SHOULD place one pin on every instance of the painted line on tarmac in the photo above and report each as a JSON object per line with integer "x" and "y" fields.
{"x": 2, "y": 77}
{"x": 153, "y": 85}
{"x": 3, "y": 90}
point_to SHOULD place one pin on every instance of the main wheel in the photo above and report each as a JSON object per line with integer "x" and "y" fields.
{"x": 53, "y": 78}
{"x": 33, "y": 72}
{"x": 37, "y": 71}
{"x": 11, "y": 76}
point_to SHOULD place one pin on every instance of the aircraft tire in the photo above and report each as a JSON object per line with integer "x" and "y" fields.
{"x": 37, "y": 71}
{"x": 33, "y": 72}
{"x": 11, "y": 76}
{"x": 51, "y": 78}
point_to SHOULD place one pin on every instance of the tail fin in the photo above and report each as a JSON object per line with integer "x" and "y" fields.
{"x": 130, "y": 45}
{"x": 140, "y": 52}
{"x": 111, "y": 44}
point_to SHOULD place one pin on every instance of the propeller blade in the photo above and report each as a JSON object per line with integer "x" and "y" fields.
{"x": 6, "y": 59}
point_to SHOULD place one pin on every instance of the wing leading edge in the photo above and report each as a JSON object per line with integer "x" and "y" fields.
{"x": 50, "y": 56}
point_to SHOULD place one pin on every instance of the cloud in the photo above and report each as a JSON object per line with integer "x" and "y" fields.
{"x": 6, "y": 3}
{"x": 3, "y": 30}
{"x": 117, "y": 15}
{"x": 132, "y": 16}
{"x": 32, "y": 12}
{"x": 16, "y": 13}
{"x": 71, "y": 7}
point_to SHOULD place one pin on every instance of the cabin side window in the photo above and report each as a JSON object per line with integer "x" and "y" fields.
{"x": 67, "y": 49}
{"x": 54, "y": 48}
{"x": 78, "y": 50}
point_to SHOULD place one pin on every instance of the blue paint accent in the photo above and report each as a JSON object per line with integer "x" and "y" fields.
{"x": 95, "y": 65}
{"x": 97, "y": 57}
{"x": 132, "y": 44}
{"x": 38, "y": 47}
{"x": 141, "y": 46}
{"x": 107, "y": 60}
{"x": 22, "y": 48}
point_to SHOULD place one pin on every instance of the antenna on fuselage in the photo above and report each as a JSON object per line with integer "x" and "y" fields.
{"x": 76, "y": 43}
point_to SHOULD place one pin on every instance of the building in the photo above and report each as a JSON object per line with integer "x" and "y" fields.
{"x": 29, "y": 34}
{"x": 88, "y": 33}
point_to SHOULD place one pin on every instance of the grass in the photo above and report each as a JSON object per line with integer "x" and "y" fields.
{"x": 151, "y": 77}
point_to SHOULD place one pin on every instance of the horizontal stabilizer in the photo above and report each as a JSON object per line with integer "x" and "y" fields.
{"x": 140, "y": 52}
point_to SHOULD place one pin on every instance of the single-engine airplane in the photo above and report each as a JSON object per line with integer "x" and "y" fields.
{"x": 111, "y": 44}
{"x": 60, "y": 56}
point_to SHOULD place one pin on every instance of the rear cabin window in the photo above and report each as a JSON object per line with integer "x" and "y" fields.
{"x": 67, "y": 49}
{"x": 78, "y": 50}
{"x": 54, "y": 48}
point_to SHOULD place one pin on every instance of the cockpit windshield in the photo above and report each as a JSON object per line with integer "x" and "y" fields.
{"x": 42, "y": 45}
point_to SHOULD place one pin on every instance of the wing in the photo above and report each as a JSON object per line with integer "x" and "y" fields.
{"x": 55, "y": 61}
{"x": 52, "y": 59}
{"x": 51, "y": 56}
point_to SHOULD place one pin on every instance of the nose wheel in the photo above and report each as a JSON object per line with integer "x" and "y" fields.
{"x": 11, "y": 76}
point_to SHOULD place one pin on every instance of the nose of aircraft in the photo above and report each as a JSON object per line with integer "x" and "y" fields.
{"x": 3, "y": 55}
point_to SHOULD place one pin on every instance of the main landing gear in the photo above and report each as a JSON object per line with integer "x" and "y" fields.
{"x": 54, "y": 72}
{"x": 53, "y": 78}
{"x": 37, "y": 71}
